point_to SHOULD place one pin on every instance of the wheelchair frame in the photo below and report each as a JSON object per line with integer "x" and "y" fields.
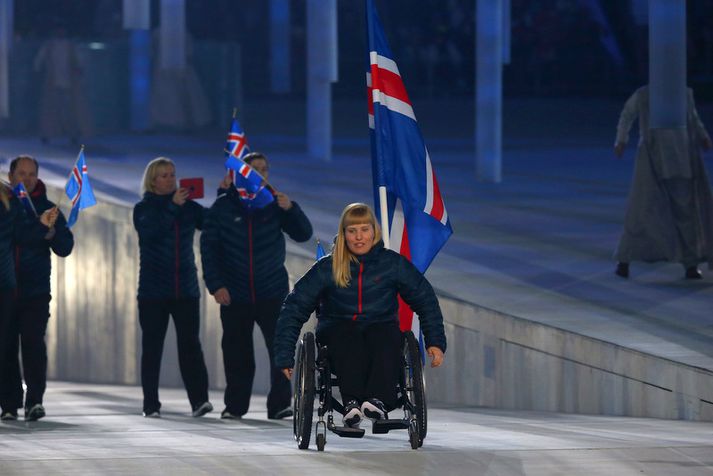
{"x": 313, "y": 378}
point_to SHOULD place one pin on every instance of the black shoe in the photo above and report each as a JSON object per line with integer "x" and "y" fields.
{"x": 693, "y": 272}
{"x": 622, "y": 269}
{"x": 152, "y": 413}
{"x": 35, "y": 412}
{"x": 228, "y": 415}
{"x": 374, "y": 409}
{"x": 352, "y": 414}
{"x": 8, "y": 415}
{"x": 284, "y": 413}
{"x": 202, "y": 409}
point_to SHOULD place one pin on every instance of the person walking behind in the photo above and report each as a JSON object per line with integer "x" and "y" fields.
{"x": 33, "y": 267}
{"x": 166, "y": 221}
{"x": 243, "y": 253}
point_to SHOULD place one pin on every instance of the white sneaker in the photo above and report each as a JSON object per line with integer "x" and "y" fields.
{"x": 352, "y": 415}
{"x": 374, "y": 409}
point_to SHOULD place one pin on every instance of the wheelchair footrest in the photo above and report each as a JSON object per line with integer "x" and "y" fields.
{"x": 385, "y": 426}
{"x": 346, "y": 432}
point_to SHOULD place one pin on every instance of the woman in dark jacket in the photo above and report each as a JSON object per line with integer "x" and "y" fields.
{"x": 357, "y": 287}
{"x": 168, "y": 285}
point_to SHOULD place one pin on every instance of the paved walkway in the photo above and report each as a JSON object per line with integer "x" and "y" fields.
{"x": 97, "y": 430}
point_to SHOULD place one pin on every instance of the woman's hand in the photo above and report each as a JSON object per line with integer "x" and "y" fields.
{"x": 222, "y": 296}
{"x": 436, "y": 355}
{"x": 180, "y": 196}
{"x": 287, "y": 373}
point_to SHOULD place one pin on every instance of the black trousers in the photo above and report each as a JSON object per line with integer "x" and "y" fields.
{"x": 239, "y": 355}
{"x": 8, "y": 400}
{"x": 27, "y": 333}
{"x": 153, "y": 317}
{"x": 365, "y": 358}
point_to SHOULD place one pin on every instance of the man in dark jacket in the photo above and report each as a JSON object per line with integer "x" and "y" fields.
{"x": 33, "y": 267}
{"x": 243, "y": 254}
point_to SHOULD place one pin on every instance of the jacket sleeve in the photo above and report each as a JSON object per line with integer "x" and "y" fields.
{"x": 199, "y": 213}
{"x": 626, "y": 118}
{"x": 296, "y": 224}
{"x": 212, "y": 250}
{"x": 418, "y": 293}
{"x": 152, "y": 222}
{"x": 62, "y": 242}
{"x": 296, "y": 309}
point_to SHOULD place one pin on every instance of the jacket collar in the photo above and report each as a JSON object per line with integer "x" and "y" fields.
{"x": 40, "y": 190}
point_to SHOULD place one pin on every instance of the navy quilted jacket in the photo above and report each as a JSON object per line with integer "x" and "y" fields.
{"x": 32, "y": 263}
{"x": 371, "y": 296}
{"x": 166, "y": 230}
{"x": 16, "y": 227}
{"x": 243, "y": 249}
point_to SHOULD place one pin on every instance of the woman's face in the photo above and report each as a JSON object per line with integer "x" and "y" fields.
{"x": 360, "y": 238}
{"x": 164, "y": 182}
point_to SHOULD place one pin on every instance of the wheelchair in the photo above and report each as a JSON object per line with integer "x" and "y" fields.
{"x": 314, "y": 379}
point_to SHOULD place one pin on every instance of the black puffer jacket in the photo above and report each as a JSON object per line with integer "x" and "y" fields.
{"x": 166, "y": 230}
{"x": 32, "y": 263}
{"x": 16, "y": 227}
{"x": 243, "y": 249}
{"x": 370, "y": 297}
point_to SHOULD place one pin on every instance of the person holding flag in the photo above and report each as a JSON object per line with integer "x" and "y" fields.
{"x": 166, "y": 221}
{"x": 243, "y": 254}
{"x": 33, "y": 268}
{"x": 356, "y": 288}
{"x": 16, "y": 228}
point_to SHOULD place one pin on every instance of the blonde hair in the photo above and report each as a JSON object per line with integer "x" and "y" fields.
{"x": 353, "y": 214}
{"x": 4, "y": 196}
{"x": 151, "y": 172}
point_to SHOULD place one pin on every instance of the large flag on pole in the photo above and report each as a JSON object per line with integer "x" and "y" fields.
{"x": 79, "y": 189}
{"x": 417, "y": 225}
{"x": 249, "y": 183}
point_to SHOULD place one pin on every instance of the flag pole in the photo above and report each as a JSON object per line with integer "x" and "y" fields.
{"x": 383, "y": 200}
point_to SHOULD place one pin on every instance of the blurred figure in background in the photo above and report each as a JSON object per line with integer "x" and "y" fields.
{"x": 670, "y": 211}
{"x": 63, "y": 107}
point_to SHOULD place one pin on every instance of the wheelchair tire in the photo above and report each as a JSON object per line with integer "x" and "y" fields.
{"x": 417, "y": 384}
{"x": 303, "y": 399}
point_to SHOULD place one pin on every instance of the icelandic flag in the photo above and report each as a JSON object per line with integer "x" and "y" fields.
{"x": 79, "y": 189}
{"x": 419, "y": 224}
{"x": 320, "y": 251}
{"x": 248, "y": 182}
{"x": 21, "y": 193}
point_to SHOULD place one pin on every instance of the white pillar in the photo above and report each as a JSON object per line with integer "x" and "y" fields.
{"x": 6, "y": 31}
{"x": 667, "y": 63}
{"x": 280, "y": 78}
{"x": 488, "y": 85}
{"x": 173, "y": 34}
{"x": 321, "y": 72}
{"x": 137, "y": 19}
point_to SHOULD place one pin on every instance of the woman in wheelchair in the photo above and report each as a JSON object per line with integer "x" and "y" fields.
{"x": 356, "y": 288}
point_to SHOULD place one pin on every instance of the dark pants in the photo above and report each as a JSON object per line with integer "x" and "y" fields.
{"x": 239, "y": 355}
{"x": 153, "y": 317}
{"x": 28, "y": 327}
{"x": 8, "y": 399}
{"x": 365, "y": 358}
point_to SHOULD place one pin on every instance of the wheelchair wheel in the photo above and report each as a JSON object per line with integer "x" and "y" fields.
{"x": 303, "y": 400}
{"x": 415, "y": 384}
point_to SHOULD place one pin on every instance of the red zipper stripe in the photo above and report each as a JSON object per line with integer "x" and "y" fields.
{"x": 361, "y": 271}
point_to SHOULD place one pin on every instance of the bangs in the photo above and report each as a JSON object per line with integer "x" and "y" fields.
{"x": 358, "y": 216}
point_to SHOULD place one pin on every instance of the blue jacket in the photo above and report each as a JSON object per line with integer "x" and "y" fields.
{"x": 371, "y": 296}
{"x": 243, "y": 249}
{"x": 32, "y": 263}
{"x": 16, "y": 227}
{"x": 166, "y": 232}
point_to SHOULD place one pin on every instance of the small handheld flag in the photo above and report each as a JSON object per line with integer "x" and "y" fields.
{"x": 21, "y": 193}
{"x": 79, "y": 189}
